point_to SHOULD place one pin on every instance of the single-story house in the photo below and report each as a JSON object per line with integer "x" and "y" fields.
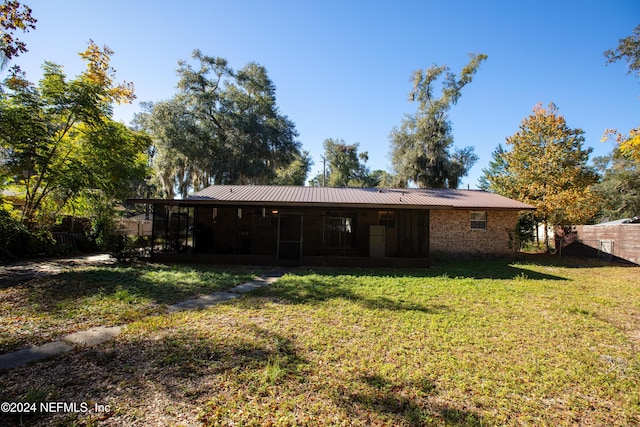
{"x": 262, "y": 224}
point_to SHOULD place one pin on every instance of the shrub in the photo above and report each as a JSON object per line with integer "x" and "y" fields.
{"x": 16, "y": 240}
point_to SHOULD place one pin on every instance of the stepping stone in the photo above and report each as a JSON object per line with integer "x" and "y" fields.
{"x": 258, "y": 283}
{"x": 31, "y": 354}
{"x": 203, "y": 302}
{"x": 93, "y": 336}
{"x": 250, "y": 286}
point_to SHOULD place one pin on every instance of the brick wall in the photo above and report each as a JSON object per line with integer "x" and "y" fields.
{"x": 451, "y": 233}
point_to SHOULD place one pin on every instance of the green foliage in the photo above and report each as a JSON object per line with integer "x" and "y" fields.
{"x": 345, "y": 166}
{"x": 619, "y": 186}
{"x": 16, "y": 240}
{"x": 525, "y": 231}
{"x": 295, "y": 173}
{"x": 58, "y": 140}
{"x": 223, "y": 127}
{"x": 496, "y": 167}
{"x": 126, "y": 248}
{"x": 628, "y": 49}
{"x": 421, "y": 147}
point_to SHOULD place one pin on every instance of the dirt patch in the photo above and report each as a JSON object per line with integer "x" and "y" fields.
{"x": 19, "y": 272}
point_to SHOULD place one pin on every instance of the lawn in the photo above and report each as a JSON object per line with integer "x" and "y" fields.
{"x": 43, "y": 309}
{"x": 539, "y": 342}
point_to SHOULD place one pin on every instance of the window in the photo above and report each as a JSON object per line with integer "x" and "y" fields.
{"x": 338, "y": 231}
{"x": 387, "y": 218}
{"x": 478, "y": 220}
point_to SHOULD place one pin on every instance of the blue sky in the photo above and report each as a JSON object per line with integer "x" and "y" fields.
{"x": 342, "y": 68}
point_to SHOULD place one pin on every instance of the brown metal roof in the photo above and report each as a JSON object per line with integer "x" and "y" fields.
{"x": 407, "y": 198}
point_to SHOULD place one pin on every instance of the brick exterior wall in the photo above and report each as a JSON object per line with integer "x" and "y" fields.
{"x": 451, "y": 234}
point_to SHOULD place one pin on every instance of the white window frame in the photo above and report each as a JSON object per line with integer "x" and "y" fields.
{"x": 478, "y": 220}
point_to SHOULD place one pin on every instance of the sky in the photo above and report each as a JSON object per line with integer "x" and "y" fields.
{"x": 342, "y": 68}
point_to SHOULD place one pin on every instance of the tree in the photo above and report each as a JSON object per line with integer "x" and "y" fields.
{"x": 295, "y": 173}
{"x": 629, "y": 145}
{"x": 223, "y": 127}
{"x": 13, "y": 17}
{"x": 421, "y": 146}
{"x": 345, "y": 166}
{"x": 526, "y": 225}
{"x": 546, "y": 167}
{"x": 176, "y": 162}
{"x": 628, "y": 49}
{"x": 58, "y": 140}
{"x": 619, "y": 186}
{"x": 496, "y": 167}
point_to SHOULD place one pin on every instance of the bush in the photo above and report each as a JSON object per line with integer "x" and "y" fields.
{"x": 122, "y": 247}
{"x": 16, "y": 240}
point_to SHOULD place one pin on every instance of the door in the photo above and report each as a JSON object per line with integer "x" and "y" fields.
{"x": 377, "y": 241}
{"x": 289, "y": 238}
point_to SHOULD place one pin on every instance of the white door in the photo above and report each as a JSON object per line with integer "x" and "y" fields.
{"x": 377, "y": 242}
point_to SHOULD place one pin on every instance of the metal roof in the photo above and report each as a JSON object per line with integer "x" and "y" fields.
{"x": 407, "y": 198}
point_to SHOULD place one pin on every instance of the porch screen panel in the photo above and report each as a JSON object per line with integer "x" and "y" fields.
{"x": 413, "y": 233}
{"x": 339, "y": 231}
{"x": 159, "y": 230}
{"x": 290, "y": 236}
{"x": 179, "y": 236}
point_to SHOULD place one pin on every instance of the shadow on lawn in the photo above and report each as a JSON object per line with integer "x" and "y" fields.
{"x": 381, "y": 396}
{"x": 175, "y": 370}
{"x": 225, "y": 379}
{"x": 500, "y": 269}
{"x": 161, "y": 284}
{"x": 313, "y": 288}
{"x": 326, "y": 283}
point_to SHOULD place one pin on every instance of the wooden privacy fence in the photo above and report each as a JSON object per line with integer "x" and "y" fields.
{"x": 611, "y": 242}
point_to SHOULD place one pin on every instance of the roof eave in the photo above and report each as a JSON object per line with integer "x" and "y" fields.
{"x": 283, "y": 204}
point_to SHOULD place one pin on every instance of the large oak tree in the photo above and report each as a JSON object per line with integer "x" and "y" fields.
{"x": 223, "y": 126}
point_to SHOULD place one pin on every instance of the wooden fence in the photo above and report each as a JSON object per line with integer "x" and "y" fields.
{"x": 612, "y": 242}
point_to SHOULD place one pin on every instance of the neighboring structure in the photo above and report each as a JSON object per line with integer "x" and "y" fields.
{"x": 139, "y": 225}
{"x": 613, "y": 241}
{"x": 338, "y": 226}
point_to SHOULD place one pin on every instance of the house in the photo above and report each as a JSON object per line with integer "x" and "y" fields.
{"x": 261, "y": 224}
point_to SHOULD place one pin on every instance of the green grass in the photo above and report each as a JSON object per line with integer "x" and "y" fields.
{"x": 541, "y": 342}
{"x": 42, "y": 309}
